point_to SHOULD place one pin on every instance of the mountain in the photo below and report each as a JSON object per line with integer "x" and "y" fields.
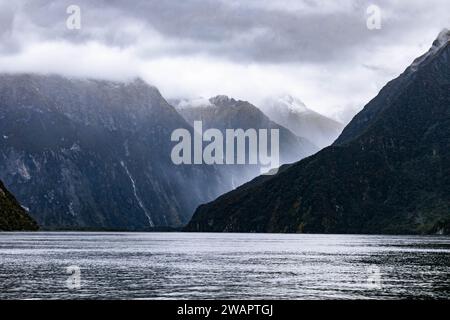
{"x": 294, "y": 115}
{"x": 86, "y": 153}
{"x": 12, "y": 216}
{"x": 222, "y": 112}
{"x": 390, "y": 93}
{"x": 389, "y": 171}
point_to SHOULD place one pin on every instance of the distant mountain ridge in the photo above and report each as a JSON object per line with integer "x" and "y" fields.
{"x": 222, "y": 112}
{"x": 304, "y": 122}
{"x": 388, "y": 172}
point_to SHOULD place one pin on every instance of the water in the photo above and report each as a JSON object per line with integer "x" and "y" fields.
{"x": 227, "y": 266}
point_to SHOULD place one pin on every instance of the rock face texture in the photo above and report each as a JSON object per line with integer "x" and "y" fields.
{"x": 389, "y": 171}
{"x": 95, "y": 154}
{"x": 12, "y": 216}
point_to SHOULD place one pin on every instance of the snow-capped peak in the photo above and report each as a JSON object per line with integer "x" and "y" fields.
{"x": 193, "y": 103}
{"x": 285, "y": 101}
{"x": 201, "y": 102}
{"x": 442, "y": 39}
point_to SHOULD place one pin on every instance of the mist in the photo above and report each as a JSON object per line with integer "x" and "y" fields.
{"x": 320, "y": 52}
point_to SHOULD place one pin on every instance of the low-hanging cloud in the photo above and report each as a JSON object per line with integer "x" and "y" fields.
{"x": 321, "y": 51}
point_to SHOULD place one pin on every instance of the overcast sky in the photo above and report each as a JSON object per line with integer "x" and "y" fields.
{"x": 320, "y": 51}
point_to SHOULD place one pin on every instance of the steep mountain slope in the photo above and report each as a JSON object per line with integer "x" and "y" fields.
{"x": 373, "y": 110}
{"x": 294, "y": 115}
{"x": 389, "y": 172}
{"x": 223, "y": 113}
{"x": 96, "y": 154}
{"x": 12, "y": 216}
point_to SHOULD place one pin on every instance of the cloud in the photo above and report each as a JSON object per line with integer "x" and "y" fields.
{"x": 319, "y": 50}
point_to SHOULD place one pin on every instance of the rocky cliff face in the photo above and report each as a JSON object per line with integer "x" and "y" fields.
{"x": 96, "y": 154}
{"x": 389, "y": 172}
{"x": 12, "y": 216}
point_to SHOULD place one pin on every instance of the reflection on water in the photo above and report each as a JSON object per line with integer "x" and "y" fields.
{"x": 228, "y": 266}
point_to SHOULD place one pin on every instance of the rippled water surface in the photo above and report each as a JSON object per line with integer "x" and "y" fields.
{"x": 229, "y": 266}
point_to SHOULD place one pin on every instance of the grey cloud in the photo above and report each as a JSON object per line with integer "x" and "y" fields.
{"x": 316, "y": 49}
{"x": 242, "y": 33}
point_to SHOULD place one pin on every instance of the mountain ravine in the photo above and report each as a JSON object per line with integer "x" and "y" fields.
{"x": 389, "y": 172}
{"x": 91, "y": 154}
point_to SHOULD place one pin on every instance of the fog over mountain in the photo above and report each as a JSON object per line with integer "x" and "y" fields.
{"x": 388, "y": 172}
{"x": 304, "y": 122}
{"x": 222, "y": 112}
{"x": 82, "y": 140}
{"x": 320, "y": 51}
{"x": 85, "y": 153}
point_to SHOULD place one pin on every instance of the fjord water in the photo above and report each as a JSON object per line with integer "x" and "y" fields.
{"x": 223, "y": 266}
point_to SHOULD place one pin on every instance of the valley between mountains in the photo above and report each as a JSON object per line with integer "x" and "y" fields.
{"x": 91, "y": 154}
